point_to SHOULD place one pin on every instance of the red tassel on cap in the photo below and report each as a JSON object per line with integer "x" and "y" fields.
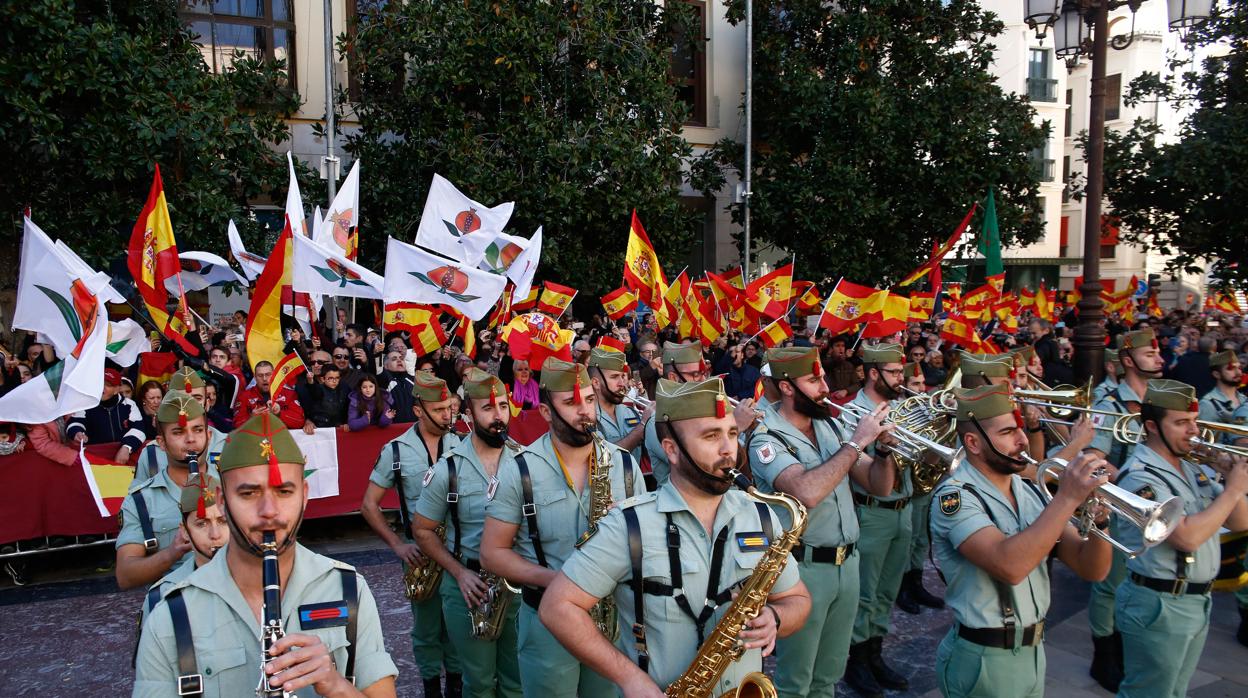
{"x": 493, "y": 393}
{"x": 182, "y": 418}
{"x": 444, "y": 395}
{"x": 1193, "y": 406}
{"x": 201, "y": 511}
{"x": 576, "y": 392}
{"x": 816, "y": 369}
{"x": 1018, "y": 419}
{"x": 701, "y": 364}
{"x": 720, "y": 410}
{"x": 1154, "y": 342}
{"x": 188, "y": 385}
{"x": 275, "y": 473}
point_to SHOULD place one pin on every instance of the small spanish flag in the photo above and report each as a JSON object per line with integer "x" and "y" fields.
{"x": 285, "y": 372}
{"x": 522, "y": 304}
{"x": 555, "y": 298}
{"x": 610, "y": 343}
{"x": 776, "y": 333}
{"x": 107, "y": 481}
{"x": 619, "y": 303}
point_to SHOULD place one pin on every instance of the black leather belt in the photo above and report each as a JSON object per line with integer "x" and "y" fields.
{"x": 1171, "y": 586}
{"x": 532, "y": 596}
{"x": 868, "y": 501}
{"x": 835, "y": 555}
{"x": 1002, "y": 638}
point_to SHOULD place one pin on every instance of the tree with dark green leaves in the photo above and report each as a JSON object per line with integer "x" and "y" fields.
{"x": 564, "y": 107}
{"x": 1185, "y": 197}
{"x": 93, "y": 94}
{"x": 877, "y": 124}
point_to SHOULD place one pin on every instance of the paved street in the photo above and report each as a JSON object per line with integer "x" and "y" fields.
{"x": 72, "y": 638}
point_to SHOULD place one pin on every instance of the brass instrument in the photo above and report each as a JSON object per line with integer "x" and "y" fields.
{"x": 1156, "y": 520}
{"x": 923, "y": 450}
{"x": 604, "y": 612}
{"x": 420, "y": 582}
{"x": 270, "y": 615}
{"x": 944, "y": 397}
{"x": 487, "y": 616}
{"x": 1208, "y": 452}
{"x": 723, "y": 645}
{"x": 1236, "y": 431}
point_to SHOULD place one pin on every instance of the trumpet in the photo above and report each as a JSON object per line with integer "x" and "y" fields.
{"x": 1238, "y": 431}
{"x": 1156, "y": 520}
{"x": 1206, "y": 451}
{"x": 931, "y": 460}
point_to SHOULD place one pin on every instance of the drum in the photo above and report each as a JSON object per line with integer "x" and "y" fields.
{"x": 1231, "y": 575}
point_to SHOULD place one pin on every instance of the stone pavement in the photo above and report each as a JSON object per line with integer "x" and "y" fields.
{"x": 76, "y": 638}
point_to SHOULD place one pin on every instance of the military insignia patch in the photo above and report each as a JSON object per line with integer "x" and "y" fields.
{"x": 1147, "y": 493}
{"x": 1201, "y": 478}
{"x": 766, "y": 453}
{"x": 631, "y": 422}
{"x": 323, "y": 615}
{"x": 950, "y": 503}
{"x": 428, "y": 477}
{"x": 752, "y": 541}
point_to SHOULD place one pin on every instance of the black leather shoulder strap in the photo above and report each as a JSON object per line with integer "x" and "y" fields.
{"x": 638, "y": 586}
{"x": 530, "y": 509}
{"x": 1005, "y": 594}
{"x": 152, "y": 467}
{"x": 145, "y": 522}
{"x": 452, "y": 500}
{"x": 189, "y": 682}
{"x": 405, "y": 517}
{"x": 351, "y": 594}
{"x": 764, "y": 520}
{"x": 628, "y": 474}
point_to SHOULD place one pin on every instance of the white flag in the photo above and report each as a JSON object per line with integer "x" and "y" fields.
{"x": 251, "y": 264}
{"x": 414, "y": 275}
{"x": 449, "y": 216}
{"x": 126, "y": 340}
{"x": 320, "y": 270}
{"x": 522, "y": 270}
{"x": 201, "y": 270}
{"x": 338, "y": 229}
{"x": 294, "y": 201}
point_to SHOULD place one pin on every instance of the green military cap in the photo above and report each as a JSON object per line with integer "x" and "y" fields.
{"x": 427, "y": 387}
{"x": 1171, "y": 395}
{"x": 194, "y": 493}
{"x": 608, "y": 359}
{"x": 986, "y": 365}
{"x": 1111, "y": 356}
{"x": 883, "y": 353}
{"x": 1223, "y": 358}
{"x": 262, "y": 440}
{"x": 690, "y": 353}
{"x": 178, "y": 407}
{"x": 185, "y": 379}
{"x": 674, "y": 401}
{"x": 1024, "y": 354}
{"x": 793, "y": 362}
{"x": 913, "y": 369}
{"x": 479, "y": 385}
{"x": 984, "y": 402}
{"x": 559, "y": 376}
{"x": 1138, "y": 339}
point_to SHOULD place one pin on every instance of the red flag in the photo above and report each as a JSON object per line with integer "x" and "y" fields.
{"x": 939, "y": 253}
{"x": 156, "y": 366}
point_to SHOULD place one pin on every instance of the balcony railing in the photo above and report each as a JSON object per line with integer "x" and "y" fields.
{"x": 1042, "y": 89}
{"x": 1043, "y": 169}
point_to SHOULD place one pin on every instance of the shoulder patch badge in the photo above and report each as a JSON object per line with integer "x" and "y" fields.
{"x": 950, "y": 503}
{"x": 631, "y": 422}
{"x": 1147, "y": 493}
{"x": 323, "y": 615}
{"x": 752, "y": 541}
{"x": 428, "y": 477}
{"x": 1201, "y": 477}
{"x": 766, "y": 453}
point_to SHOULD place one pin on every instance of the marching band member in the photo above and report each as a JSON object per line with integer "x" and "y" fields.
{"x": 913, "y": 594}
{"x": 152, "y": 458}
{"x": 1220, "y": 403}
{"x": 204, "y": 525}
{"x": 619, "y": 422}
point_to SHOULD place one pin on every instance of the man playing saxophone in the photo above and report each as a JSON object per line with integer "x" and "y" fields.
{"x": 672, "y": 559}
{"x": 463, "y": 481}
{"x": 991, "y": 534}
{"x": 556, "y": 493}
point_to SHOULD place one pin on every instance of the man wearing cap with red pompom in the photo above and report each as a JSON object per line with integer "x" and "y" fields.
{"x": 618, "y": 420}
{"x": 153, "y": 458}
{"x": 116, "y": 419}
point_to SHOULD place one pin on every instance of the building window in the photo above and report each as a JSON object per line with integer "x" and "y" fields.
{"x": 1064, "y": 240}
{"x": 1113, "y": 97}
{"x": 1065, "y": 179}
{"x": 263, "y": 29}
{"x": 1041, "y": 164}
{"x": 1070, "y": 110}
{"x": 1040, "y": 87}
{"x": 689, "y": 67}
{"x": 1109, "y": 236}
{"x": 359, "y": 14}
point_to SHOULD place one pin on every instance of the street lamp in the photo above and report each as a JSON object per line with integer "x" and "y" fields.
{"x": 1072, "y": 41}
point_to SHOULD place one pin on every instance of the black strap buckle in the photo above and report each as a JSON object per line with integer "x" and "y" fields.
{"x": 1180, "y": 586}
{"x": 453, "y": 497}
{"x": 151, "y": 545}
{"x": 529, "y": 509}
{"x": 191, "y": 685}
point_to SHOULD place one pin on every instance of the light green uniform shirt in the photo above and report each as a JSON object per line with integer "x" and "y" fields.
{"x": 626, "y": 419}
{"x": 163, "y": 498}
{"x": 1104, "y": 388}
{"x": 1151, "y": 477}
{"x": 832, "y": 523}
{"x": 153, "y": 459}
{"x": 415, "y": 463}
{"x": 602, "y": 567}
{"x": 164, "y": 584}
{"x": 1217, "y": 407}
{"x": 906, "y": 489}
{"x": 226, "y": 633}
{"x": 659, "y": 465}
{"x": 956, "y": 515}
{"x": 1116, "y": 453}
{"x": 473, "y": 486}
{"x": 562, "y": 514}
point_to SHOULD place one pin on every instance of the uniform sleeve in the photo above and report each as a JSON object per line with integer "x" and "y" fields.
{"x": 602, "y": 563}
{"x": 383, "y": 470}
{"x": 1102, "y": 439}
{"x": 77, "y": 423}
{"x": 1208, "y": 412}
{"x": 432, "y": 504}
{"x": 155, "y": 675}
{"x": 372, "y": 662}
{"x": 769, "y": 458}
{"x": 508, "y": 502}
{"x": 131, "y": 529}
{"x": 957, "y": 515}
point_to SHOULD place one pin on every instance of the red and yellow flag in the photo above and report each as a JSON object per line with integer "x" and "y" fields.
{"x": 429, "y": 336}
{"x": 285, "y": 372}
{"x": 520, "y": 306}
{"x": 939, "y": 253}
{"x": 1227, "y": 303}
{"x": 156, "y": 366}
{"x": 619, "y": 303}
{"x": 850, "y": 305}
{"x": 769, "y": 295}
{"x": 264, "y": 338}
{"x": 608, "y": 343}
{"x": 555, "y": 298}
{"x": 734, "y": 277}
{"x": 808, "y": 300}
{"x": 894, "y": 315}
{"x": 1154, "y": 308}
{"x": 777, "y": 332}
{"x": 921, "y": 306}
{"x": 642, "y": 272}
{"x": 958, "y": 329}
{"x": 108, "y": 481}
{"x": 153, "y": 257}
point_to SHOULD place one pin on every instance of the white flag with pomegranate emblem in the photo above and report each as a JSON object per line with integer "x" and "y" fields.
{"x": 450, "y": 219}
{"x": 414, "y": 275}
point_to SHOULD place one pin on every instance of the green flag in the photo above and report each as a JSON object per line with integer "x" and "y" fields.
{"x": 990, "y": 238}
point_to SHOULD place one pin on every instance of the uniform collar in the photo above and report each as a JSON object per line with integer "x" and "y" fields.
{"x": 215, "y": 579}
{"x": 467, "y": 451}
{"x": 971, "y": 475}
{"x": 670, "y": 500}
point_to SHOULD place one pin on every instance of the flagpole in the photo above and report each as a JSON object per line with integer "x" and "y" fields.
{"x": 859, "y": 339}
{"x": 569, "y": 305}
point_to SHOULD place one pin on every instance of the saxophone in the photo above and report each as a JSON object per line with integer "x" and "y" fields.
{"x": 421, "y": 581}
{"x": 487, "y": 617}
{"x": 271, "y": 615}
{"x": 600, "y": 502}
{"x": 723, "y": 646}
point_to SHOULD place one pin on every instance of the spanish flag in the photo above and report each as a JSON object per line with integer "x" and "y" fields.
{"x": 465, "y": 332}
{"x": 527, "y": 303}
{"x": 776, "y": 333}
{"x": 264, "y": 338}
{"x": 769, "y": 295}
{"x": 429, "y": 336}
{"x": 608, "y": 343}
{"x": 1154, "y": 308}
{"x": 921, "y": 306}
{"x": 1227, "y": 303}
{"x": 850, "y": 305}
{"x": 671, "y": 297}
{"x": 735, "y": 278}
{"x": 405, "y": 317}
{"x": 285, "y": 372}
{"x": 619, "y": 303}
{"x": 156, "y": 366}
{"x": 939, "y": 253}
{"x": 555, "y": 298}
{"x": 808, "y": 300}
{"x": 502, "y": 311}
{"x": 153, "y": 258}
{"x": 1044, "y": 302}
{"x": 893, "y": 317}
{"x": 642, "y": 272}
{"x": 107, "y": 481}
{"x": 960, "y": 330}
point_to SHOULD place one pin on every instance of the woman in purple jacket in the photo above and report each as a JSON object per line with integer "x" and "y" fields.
{"x": 369, "y": 406}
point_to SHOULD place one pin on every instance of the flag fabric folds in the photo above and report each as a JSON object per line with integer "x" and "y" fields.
{"x": 642, "y": 272}
{"x": 201, "y": 270}
{"x": 413, "y": 274}
{"x": 769, "y": 295}
{"x": 108, "y": 482}
{"x": 619, "y": 303}
{"x": 776, "y": 333}
{"x": 449, "y": 217}
{"x": 322, "y": 270}
{"x": 263, "y": 338}
{"x": 285, "y": 372}
{"x": 939, "y": 253}
{"x": 555, "y": 298}
{"x": 157, "y": 366}
{"x": 894, "y": 313}
{"x": 126, "y": 342}
{"x": 850, "y": 305}
{"x": 153, "y": 258}
{"x": 339, "y": 230}
{"x": 251, "y": 264}
{"x": 526, "y": 302}
{"x": 522, "y": 270}
{"x": 990, "y": 242}
{"x": 535, "y": 336}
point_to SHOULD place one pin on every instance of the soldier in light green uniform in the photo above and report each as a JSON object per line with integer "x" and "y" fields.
{"x": 715, "y": 529}
{"x": 406, "y": 464}
{"x": 884, "y": 538}
{"x": 985, "y": 369}
{"x": 152, "y": 458}
{"x": 464, "y": 479}
{"x": 1163, "y": 605}
{"x": 1141, "y": 360}
{"x": 991, "y": 534}
{"x": 204, "y": 637}
{"x": 542, "y": 508}
{"x": 800, "y": 451}
{"x": 1113, "y": 369}
{"x": 203, "y": 523}
{"x": 912, "y": 594}
{"x": 149, "y": 544}
{"x": 619, "y": 421}
{"x": 1219, "y": 404}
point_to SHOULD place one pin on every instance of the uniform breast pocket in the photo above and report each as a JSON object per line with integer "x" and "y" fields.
{"x": 556, "y": 515}
{"x": 225, "y": 667}
{"x": 472, "y": 502}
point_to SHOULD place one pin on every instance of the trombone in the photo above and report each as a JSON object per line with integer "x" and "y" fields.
{"x": 1156, "y": 520}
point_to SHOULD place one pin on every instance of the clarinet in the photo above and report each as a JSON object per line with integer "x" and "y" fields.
{"x": 271, "y": 615}
{"x": 192, "y": 465}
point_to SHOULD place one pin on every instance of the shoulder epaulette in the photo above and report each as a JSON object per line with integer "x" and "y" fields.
{"x": 642, "y": 498}
{"x": 135, "y": 487}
